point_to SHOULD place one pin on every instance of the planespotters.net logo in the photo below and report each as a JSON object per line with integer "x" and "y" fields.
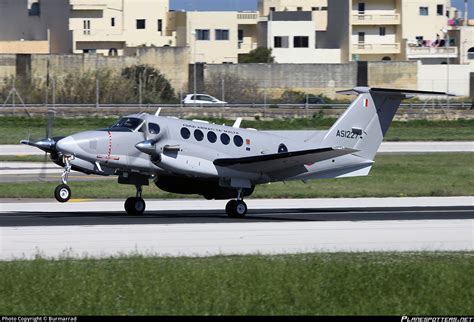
{"x": 437, "y": 319}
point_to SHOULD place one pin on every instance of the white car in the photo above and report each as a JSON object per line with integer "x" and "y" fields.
{"x": 202, "y": 99}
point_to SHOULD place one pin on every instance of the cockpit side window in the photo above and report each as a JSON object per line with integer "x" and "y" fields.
{"x": 130, "y": 123}
{"x": 153, "y": 128}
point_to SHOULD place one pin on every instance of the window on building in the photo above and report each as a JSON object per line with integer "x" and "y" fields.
{"x": 240, "y": 35}
{"x": 160, "y": 24}
{"x": 470, "y": 53}
{"x": 113, "y": 52}
{"x": 439, "y": 9}
{"x": 202, "y": 34}
{"x": 314, "y": 9}
{"x": 87, "y": 27}
{"x": 141, "y": 23}
{"x": 280, "y": 42}
{"x": 361, "y": 8}
{"x": 301, "y": 42}
{"x": 89, "y": 51}
{"x": 324, "y": 8}
{"x": 299, "y": 8}
{"x": 34, "y": 10}
{"x": 382, "y": 31}
{"x": 272, "y": 8}
{"x": 424, "y": 11}
{"x": 222, "y": 34}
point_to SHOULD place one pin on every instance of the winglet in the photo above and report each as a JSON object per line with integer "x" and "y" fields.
{"x": 237, "y": 122}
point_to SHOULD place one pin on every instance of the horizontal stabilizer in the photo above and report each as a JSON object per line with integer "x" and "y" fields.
{"x": 390, "y": 91}
{"x": 278, "y": 161}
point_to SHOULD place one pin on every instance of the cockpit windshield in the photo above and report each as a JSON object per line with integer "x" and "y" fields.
{"x": 131, "y": 123}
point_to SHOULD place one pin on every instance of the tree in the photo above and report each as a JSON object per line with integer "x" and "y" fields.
{"x": 154, "y": 86}
{"x": 235, "y": 89}
{"x": 258, "y": 55}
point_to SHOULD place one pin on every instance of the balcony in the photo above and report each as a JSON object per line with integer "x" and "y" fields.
{"x": 88, "y": 4}
{"x": 244, "y": 47}
{"x": 375, "y": 19}
{"x": 247, "y": 18}
{"x": 431, "y": 52}
{"x": 98, "y": 35}
{"x": 363, "y": 48}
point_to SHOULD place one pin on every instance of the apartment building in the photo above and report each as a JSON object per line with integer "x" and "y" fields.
{"x": 215, "y": 37}
{"x": 386, "y": 29}
{"x": 110, "y": 26}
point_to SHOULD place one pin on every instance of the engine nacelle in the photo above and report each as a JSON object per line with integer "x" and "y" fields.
{"x": 207, "y": 189}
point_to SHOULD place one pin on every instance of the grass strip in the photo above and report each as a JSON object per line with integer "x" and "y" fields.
{"x": 438, "y": 174}
{"x": 305, "y": 284}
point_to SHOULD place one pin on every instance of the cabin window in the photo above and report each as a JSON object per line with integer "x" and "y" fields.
{"x": 153, "y": 128}
{"x": 282, "y": 148}
{"x": 198, "y": 135}
{"x": 238, "y": 141}
{"x": 185, "y": 133}
{"x": 212, "y": 137}
{"x": 225, "y": 139}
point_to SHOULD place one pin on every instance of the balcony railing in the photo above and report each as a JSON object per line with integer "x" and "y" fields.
{"x": 376, "y": 19}
{"x": 432, "y": 52}
{"x": 247, "y": 18}
{"x": 364, "y": 48}
{"x": 88, "y": 4}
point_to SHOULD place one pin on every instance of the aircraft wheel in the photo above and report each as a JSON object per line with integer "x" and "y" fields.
{"x": 236, "y": 209}
{"x": 62, "y": 193}
{"x": 135, "y": 206}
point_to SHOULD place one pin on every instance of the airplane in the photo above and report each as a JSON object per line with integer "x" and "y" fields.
{"x": 226, "y": 162}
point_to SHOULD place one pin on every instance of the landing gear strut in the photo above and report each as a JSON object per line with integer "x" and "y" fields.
{"x": 62, "y": 193}
{"x": 135, "y": 205}
{"x": 236, "y": 208}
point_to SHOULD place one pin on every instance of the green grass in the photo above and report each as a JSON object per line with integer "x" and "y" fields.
{"x": 436, "y": 174}
{"x": 307, "y": 284}
{"x": 14, "y": 129}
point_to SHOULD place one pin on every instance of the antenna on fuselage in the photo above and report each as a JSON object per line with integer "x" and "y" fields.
{"x": 237, "y": 122}
{"x": 158, "y": 112}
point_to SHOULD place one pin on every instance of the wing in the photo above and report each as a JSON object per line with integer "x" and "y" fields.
{"x": 279, "y": 161}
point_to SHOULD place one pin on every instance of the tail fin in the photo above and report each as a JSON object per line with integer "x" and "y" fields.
{"x": 366, "y": 121}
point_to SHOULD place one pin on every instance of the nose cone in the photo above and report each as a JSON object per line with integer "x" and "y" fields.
{"x": 67, "y": 146}
{"x": 147, "y": 147}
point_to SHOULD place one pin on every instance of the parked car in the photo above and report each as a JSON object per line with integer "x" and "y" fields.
{"x": 314, "y": 100}
{"x": 202, "y": 99}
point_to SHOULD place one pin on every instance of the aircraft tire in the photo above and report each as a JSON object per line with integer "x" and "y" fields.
{"x": 135, "y": 206}
{"x": 236, "y": 209}
{"x": 62, "y": 193}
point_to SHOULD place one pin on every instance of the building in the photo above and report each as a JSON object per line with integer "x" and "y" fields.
{"x": 215, "y": 37}
{"x": 110, "y": 26}
{"x": 386, "y": 29}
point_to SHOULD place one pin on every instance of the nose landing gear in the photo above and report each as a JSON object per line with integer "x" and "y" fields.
{"x": 62, "y": 193}
{"x": 135, "y": 205}
{"x": 236, "y": 208}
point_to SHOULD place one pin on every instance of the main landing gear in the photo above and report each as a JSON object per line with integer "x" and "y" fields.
{"x": 62, "y": 193}
{"x": 236, "y": 208}
{"x": 135, "y": 205}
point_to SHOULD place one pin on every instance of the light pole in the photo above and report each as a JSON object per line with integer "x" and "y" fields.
{"x": 445, "y": 30}
{"x": 194, "y": 68}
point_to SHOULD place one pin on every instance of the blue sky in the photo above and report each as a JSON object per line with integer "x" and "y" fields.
{"x": 242, "y": 5}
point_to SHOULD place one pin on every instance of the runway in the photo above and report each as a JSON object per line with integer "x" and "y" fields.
{"x": 200, "y": 228}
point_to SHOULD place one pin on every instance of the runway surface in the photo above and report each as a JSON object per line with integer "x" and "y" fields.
{"x": 386, "y": 147}
{"x": 201, "y": 228}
